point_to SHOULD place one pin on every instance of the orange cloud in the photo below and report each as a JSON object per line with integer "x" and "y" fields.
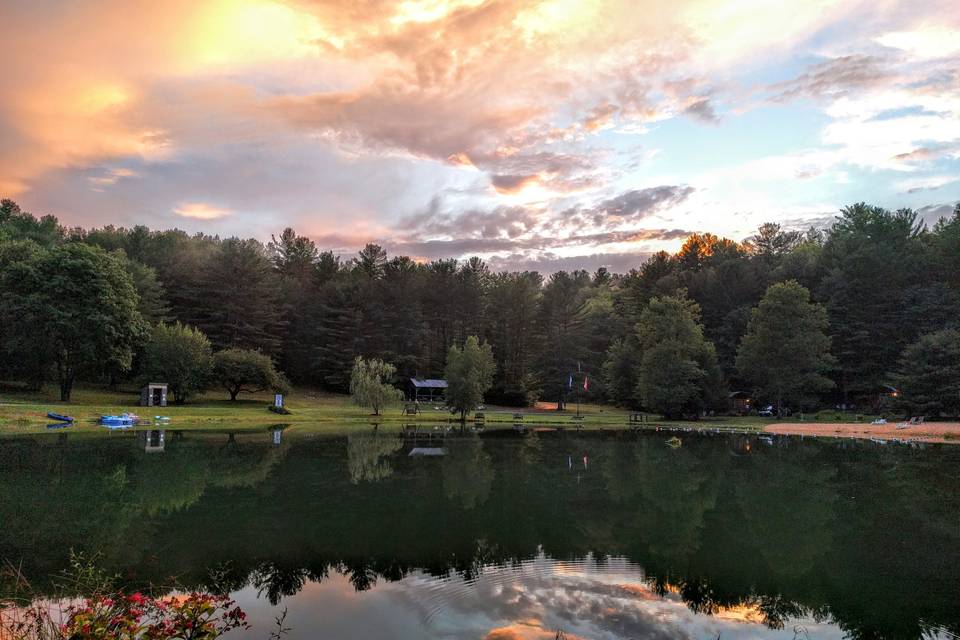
{"x": 528, "y": 630}
{"x": 513, "y": 184}
{"x": 201, "y": 211}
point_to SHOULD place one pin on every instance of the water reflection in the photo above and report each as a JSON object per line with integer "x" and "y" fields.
{"x": 152, "y": 441}
{"x": 530, "y": 600}
{"x": 507, "y": 535}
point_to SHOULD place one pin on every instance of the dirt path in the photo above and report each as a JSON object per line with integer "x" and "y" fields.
{"x": 928, "y": 432}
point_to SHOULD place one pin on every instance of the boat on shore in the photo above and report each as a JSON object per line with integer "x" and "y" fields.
{"x": 59, "y": 417}
{"x": 121, "y": 421}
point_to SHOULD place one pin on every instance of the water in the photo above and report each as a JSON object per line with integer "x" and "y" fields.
{"x": 506, "y": 536}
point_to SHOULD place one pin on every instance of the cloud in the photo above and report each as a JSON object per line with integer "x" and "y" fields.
{"x": 833, "y": 78}
{"x": 703, "y": 110}
{"x": 512, "y": 183}
{"x": 932, "y": 152}
{"x": 633, "y": 205}
{"x": 201, "y": 211}
{"x": 932, "y": 213}
{"x": 930, "y": 41}
{"x": 548, "y": 262}
{"x": 110, "y": 176}
{"x": 523, "y": 117}
{"x": 928, "y": 183}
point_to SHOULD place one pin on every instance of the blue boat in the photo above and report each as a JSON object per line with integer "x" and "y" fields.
{"x": 59, "y": 417}
{"x": 117, "y": 422}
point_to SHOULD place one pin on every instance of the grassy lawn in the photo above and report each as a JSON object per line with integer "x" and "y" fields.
{"x": 26, "y": 412}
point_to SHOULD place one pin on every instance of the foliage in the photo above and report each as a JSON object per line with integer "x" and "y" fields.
{"x": 873, "y": 261}
{"x": 928, "y": 375}
{"x": 367, "y": 456}
{"x": 72, "y": 306}
{"x": 678, "y": 373}
{"x": 196, "y": 616}
{"x": 180, "y": 356}
{"x": 884, "y": 278}
{"x": 153, "y": 305}
{"x": 785, "y": 353}
{"x": 241, "y": 370}
{"x": 240, "y": 307}
{"x": 620, "y": 371}
{"x": 469, "y": 374}
{"x": 370, "y": 384}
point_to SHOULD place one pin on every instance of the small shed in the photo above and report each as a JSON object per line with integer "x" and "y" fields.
{"x": 741, "y": 401}
{"x": 154, "y": 394}
{"x": 426, "y": 390}
{"x": 152, "y": 441}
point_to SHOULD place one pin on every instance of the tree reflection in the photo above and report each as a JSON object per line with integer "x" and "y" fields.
{"x": 807, "y": 528}
{"x": 467, "y": 472}
{"x": 366, "y": 456}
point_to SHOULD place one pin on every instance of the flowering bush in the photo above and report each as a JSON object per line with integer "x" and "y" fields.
{"x": 196, "y": 616}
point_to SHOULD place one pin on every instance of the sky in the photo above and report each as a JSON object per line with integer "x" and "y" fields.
{"x": 537, "y": 134}
{"x": 529, "y": 600}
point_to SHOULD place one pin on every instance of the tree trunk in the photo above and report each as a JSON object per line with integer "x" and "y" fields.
{"x": 65, "y": 373}
{"x": 233, "y": 394}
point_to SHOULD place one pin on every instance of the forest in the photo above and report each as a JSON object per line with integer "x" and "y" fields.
{"x": 862, "y": 313}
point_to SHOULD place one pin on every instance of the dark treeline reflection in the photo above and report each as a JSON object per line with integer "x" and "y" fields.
{"x": 864, "y": 535}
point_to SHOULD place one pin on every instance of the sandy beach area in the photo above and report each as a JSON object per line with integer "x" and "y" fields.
{"x": 928, "y": 432}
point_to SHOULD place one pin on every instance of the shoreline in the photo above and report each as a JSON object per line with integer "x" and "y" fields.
{"x": 940, "y": 432}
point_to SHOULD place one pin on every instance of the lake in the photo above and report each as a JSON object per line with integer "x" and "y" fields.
{"x": 503, "y": 535}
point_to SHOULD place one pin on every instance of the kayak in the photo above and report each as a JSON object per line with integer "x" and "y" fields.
{"x": 116, "y": 422}
{"x": 60, "y": 417}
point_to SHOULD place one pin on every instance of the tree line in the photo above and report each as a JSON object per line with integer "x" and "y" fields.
{"x": 862, "y": 311}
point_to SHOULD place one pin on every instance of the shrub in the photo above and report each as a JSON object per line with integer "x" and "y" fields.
{"x": 198, "y": 616}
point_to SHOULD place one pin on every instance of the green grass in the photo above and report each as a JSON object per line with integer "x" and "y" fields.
{"x": 26, "y": 412}
{"x": 311, "y": 410}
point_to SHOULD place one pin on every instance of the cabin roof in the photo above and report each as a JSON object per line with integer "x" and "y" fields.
{"x": 428, "y": 383}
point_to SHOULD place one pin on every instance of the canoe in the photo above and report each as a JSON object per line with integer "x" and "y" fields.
{"x": 59, "y": 416}
{"x": 115, "y": 422}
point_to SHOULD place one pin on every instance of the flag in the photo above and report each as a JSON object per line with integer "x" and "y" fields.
{"x": 586, "y": 383}
{"x": 570, "y": 382}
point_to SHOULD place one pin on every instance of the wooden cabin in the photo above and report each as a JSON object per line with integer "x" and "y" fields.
{"x": 740, "y": 402}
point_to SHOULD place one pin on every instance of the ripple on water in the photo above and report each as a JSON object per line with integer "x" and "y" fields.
{"x": 438, "y": 596}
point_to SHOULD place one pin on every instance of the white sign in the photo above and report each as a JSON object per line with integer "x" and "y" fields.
{"x": 278, "y": 400}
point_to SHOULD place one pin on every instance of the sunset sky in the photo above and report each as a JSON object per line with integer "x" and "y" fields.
{"x": 536, "y": 134}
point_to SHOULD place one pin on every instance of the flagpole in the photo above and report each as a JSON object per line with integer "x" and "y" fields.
{"x": 578, "y": 401}
{"x": 578, "y": 390}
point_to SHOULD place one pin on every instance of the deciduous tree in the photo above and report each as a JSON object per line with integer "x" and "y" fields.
{"x": 370, "y": 384}
{"x": 76, "y": 305}
{"x": 180, "y": 356}
{"x": 469, "y": 374}
{"x": 242, "y": 370}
